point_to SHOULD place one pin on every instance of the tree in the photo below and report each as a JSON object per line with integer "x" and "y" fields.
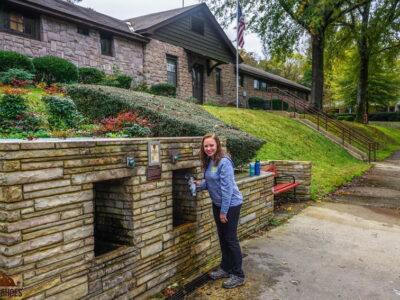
{"x": 374, "y": 28}
{"x": 293, "y": 67}
{"x": 384, "y": 80}
{"x": 281, "y": 24}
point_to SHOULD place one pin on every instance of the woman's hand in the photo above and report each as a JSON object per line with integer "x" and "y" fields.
{"x": 197, "y": 183}
{"x": 223, "y": 218}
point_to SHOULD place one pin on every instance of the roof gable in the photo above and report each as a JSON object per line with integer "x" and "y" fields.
{"x": 157, "y": 26}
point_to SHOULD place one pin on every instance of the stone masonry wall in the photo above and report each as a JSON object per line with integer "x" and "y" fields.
{"x": 301, "y": 170}
{"x": 155, "y": 66}
{"x": 155, "y": 69}
{"x": 60, "y": 38}
{"x": 228, "y": 85}
{"x": 47, "y": 212}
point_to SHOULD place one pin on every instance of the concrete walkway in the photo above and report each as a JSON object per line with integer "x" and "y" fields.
{"x": 329, "y": 250}
{"x": 379, "y": 186}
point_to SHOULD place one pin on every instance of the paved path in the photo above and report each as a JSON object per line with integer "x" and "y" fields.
{"x": 379, "y": 186}
{"x": 329, "y": 250}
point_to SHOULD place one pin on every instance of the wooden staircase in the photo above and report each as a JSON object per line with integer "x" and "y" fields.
{"x": 352, "y": 140}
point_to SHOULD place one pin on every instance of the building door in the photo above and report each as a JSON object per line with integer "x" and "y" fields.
{"x": 197, "y": 82}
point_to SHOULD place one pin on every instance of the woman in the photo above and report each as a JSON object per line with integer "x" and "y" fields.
{"x": 227, "y": 201}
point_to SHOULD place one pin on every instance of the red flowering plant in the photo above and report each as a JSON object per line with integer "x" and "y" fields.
{"x": 17, "y": 78}
{"x": 54, "y": 89}
{"x": 20, "y": 83}
{"x": 9, "y": 90}
{"x": 131, "y": 123}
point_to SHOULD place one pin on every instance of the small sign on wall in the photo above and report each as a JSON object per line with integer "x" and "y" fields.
{"x": 154, "y": 156}
{"x": 154, "y": 161}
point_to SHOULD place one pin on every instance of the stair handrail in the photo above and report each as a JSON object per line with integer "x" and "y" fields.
{"x": 335, "y": 125}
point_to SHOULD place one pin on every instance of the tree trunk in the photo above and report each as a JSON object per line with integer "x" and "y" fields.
{"x": 362, "y": 105}
{"x": 317, "y": 89}
{"x": 363, "y": 51}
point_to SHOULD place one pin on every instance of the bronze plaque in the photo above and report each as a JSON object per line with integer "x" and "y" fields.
{"x": 153, "y": 173}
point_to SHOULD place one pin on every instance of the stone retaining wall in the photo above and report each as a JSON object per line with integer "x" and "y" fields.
{"x": 57, "y": 198}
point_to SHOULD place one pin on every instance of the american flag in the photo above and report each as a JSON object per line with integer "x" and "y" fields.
{"x": 240, "y": 27}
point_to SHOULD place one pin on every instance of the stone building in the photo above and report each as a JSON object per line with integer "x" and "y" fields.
{"x": 185, "y": 47}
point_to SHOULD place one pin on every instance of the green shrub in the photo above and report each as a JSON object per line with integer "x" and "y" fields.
{"x": 172, "y": 117}
{"x": 163, "y": 89}
{"x": 62, "y": 111}
{"x": 192, "y": 100}
{"x": 51, "y": 69}
{"x": 14, "y": 60}
{"x": 14, "y": 115}
{"x": 256, "y": 103}
{"x": 119, "y": 81}
{"x": 213, "y": 102}
{"x": 278, "y": 104}
{"x": 90, "y": 75}
{"x": 385, "y": 116}
{"x": 124, "y": 81}
{"x": 12, "y": 105}
{"x": 137, "y": 131}
{"x": 348, "y": 117}
{"x": 13, "y": 75}
{"x": 140, "y": 86}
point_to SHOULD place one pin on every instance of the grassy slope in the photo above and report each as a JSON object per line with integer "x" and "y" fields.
{"x": 388, "y": 138}
{"x": 290, "y": 140}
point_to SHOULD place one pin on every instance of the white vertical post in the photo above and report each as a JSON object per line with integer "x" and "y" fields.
{"x": 237, "y": 54}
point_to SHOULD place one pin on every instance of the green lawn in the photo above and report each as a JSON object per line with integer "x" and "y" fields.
{"x": 388, "y": 138}
{"x": 287, "y": 139}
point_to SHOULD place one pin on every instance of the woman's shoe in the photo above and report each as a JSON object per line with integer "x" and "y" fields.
{"x": 233, "y": 281}
{"x": 218, "y": 274}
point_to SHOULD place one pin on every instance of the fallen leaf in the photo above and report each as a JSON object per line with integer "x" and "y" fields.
{"x": 295, "y": 282}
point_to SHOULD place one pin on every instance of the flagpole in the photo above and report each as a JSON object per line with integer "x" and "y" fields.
{"x": 237, "y": 53}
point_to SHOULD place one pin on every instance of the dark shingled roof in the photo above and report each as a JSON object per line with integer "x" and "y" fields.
{"x": 148, "y": 21}
{"x": 262, "y": 74}
{"x": 79, "y": 13}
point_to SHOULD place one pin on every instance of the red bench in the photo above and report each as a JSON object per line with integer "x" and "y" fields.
{"x": 282, "y": 187}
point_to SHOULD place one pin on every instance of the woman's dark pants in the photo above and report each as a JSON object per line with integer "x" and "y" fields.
{"x": 231, "y": 254}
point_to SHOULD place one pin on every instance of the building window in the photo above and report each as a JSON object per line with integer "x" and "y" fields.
{"x": 20, "y": 23}
{"x": 197, "y": 25}
{"x": 263, "y": 86}
{"x": 83, "y": 30}
{"x": 106, "y": 42}
{"x": 241, "y": 79}
{"x": 218, "y": 81}
{"x": 172, "y": 70}
{"x": 256, "y": 84}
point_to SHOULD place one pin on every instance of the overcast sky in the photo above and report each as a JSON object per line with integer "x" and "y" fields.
{"x": 125, "y": 9}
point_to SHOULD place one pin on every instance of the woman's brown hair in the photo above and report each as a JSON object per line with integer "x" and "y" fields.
{"x": 218, "y": 155}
